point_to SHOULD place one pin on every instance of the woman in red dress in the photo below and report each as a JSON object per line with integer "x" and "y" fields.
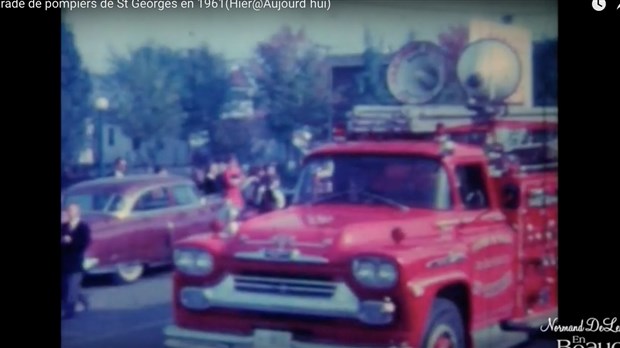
{"x": 233, "y": 178}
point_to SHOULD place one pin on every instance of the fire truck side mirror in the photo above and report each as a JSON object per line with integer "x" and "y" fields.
{"x": 510, "y": 198}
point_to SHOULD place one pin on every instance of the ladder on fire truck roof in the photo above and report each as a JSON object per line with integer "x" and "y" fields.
{"x": 424, "y": 119}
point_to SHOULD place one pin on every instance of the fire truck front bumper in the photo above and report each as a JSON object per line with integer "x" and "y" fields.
{"x": 176, "y": 337}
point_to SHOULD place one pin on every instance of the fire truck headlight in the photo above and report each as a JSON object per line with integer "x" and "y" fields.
{"x": 193, "y": 262}
{"x": 375, "y": 272}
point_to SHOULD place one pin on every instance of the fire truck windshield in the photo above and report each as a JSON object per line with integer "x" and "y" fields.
{"x": 408, "y": 181}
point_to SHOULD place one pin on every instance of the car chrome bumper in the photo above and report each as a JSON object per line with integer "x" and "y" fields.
{"x": 176, "y": 337}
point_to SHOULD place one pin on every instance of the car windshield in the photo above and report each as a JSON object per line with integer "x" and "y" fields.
{"x": 393, "y": 180}
{"x": 95, "y": 201}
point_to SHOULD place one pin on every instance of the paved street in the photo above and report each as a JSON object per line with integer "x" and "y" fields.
{"x": 133, "y": 316}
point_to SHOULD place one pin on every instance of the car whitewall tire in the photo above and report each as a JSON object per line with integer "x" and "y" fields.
{"x": 129, "y": 272}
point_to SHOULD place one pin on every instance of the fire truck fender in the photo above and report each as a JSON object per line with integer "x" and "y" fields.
{"x": 422, "y": 287}
{"x": 453, "y": 286}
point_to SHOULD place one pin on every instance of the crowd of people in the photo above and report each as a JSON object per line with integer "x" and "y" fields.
{"x": 256, "y": 189}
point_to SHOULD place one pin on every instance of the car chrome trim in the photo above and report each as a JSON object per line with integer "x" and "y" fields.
{"x": 263, "y": 255}
{"x": 176, "y": 337}
{"x": 102, "y": 270}
{"x": 281, "y": 298}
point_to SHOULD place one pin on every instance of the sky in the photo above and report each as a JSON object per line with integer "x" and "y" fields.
{"x": 235, "y": 33}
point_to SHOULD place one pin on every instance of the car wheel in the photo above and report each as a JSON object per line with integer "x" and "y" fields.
{"x": 128, "y": 272}
{"x": 444, "y": 328}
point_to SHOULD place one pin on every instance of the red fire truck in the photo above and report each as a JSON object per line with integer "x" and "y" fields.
{"x": 421, "y": 227}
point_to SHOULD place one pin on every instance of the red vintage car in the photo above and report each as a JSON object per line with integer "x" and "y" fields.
{"x": 388, "y": 243}
{"x": 135, "y": 221}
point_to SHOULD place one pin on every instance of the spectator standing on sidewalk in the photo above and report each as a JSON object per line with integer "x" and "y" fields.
{"x": 233, "y": 179}
{"x": 159, "y": 170}
{"x": 120, "y": 168}
{"x": 74, "y": 240}
{"x": 251, "y": 185}
{"x": 211, "y": 184}
{"x": 270, "y": 196}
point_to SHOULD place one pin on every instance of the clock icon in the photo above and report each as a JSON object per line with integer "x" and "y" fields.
{"x": 598, "y": 5}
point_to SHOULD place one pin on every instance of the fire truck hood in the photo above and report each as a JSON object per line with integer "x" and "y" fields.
{"x": 330, "y": 229}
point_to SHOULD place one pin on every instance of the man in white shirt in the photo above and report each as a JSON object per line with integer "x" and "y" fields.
{"x": 120, "y": 167}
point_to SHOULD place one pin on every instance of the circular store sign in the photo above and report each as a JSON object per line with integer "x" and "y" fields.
{"x": 417, "y": 73}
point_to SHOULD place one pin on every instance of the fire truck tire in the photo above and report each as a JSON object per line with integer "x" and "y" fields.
{"x": 445, "y": 328}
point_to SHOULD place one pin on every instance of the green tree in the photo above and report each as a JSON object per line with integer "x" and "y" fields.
{"x": 206, "y": 89}
{"x": 292, "y": 77}
{"x": 75, "y": 90}
{"x": 148, "y": 85}
{"x": 237, "y": 136}
{"x": 372, "y": 81}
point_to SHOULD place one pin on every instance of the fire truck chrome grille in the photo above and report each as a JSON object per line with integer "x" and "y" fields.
{"x": 275, "y": 296}
{"x": 285, "y": 286}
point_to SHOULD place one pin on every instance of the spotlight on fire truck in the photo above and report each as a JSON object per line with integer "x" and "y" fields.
{"x": 417, "y": 73}
{"x": 489, "y": 71}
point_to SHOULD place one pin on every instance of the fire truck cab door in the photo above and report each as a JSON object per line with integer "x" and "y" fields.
{"x": 490, "y": 243}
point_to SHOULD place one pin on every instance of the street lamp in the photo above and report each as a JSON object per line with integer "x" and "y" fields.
{"x": 101, "y": 105}
{"x": 325, "y": 50}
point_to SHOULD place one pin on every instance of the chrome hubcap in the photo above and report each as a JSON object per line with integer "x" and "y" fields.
{"x": 130, "y": 272}
{"x": 443, "y": 342}
{"x": 443, "y": 337}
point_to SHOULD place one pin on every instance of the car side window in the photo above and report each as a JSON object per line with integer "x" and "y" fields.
{"x": 154, "y": 199}
{"x": 117, "y": 203}
{"x": 185, "y": 195}
{"x": 472, "y": 187}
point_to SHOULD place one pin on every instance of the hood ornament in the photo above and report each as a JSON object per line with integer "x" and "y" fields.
{"x": 283, "y": 248}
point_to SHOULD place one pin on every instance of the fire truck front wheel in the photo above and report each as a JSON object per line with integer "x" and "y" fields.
{"x": 444, "y": 328}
